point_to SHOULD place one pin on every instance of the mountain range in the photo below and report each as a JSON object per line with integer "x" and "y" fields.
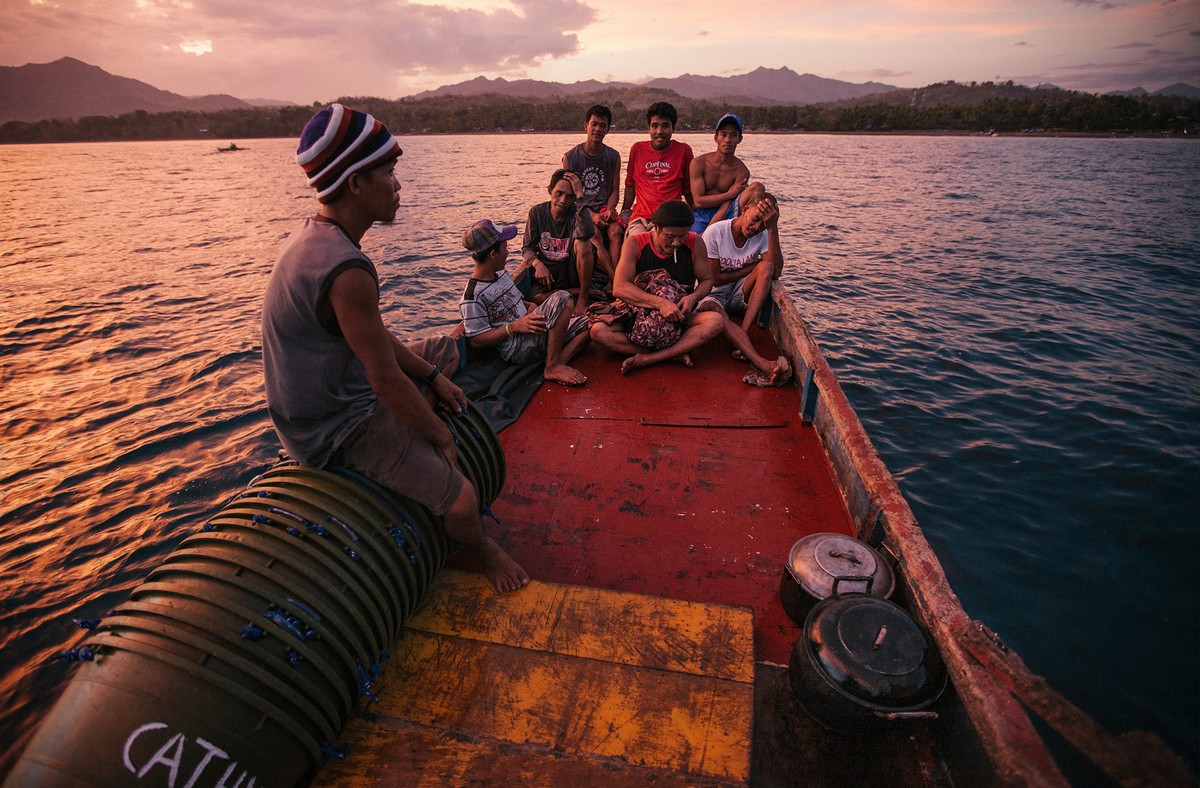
{"x": 762, "y": 86}
{"x": 70, "y": 88}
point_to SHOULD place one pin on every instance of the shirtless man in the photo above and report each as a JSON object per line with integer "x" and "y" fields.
{"x": 719, "y": 178}
{"x": 599, "y": 167}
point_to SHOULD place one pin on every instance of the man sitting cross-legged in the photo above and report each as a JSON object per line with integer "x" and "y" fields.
{"x": 661, "y": 277}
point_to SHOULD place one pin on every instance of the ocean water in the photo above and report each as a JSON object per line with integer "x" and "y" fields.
{"x": 1016, "y": 321}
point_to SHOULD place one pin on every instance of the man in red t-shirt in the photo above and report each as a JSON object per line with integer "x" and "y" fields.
{"x": 657, "y": 169}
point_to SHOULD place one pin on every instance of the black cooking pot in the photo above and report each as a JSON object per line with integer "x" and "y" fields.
{"x": 862, "y": 661}
{"x": 821, "y": 565}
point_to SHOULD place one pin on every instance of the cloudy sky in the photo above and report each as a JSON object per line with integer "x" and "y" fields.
{"x": 306, "y": 51}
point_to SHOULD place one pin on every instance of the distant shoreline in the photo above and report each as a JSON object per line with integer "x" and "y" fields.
{"x": 1032, "y": 134}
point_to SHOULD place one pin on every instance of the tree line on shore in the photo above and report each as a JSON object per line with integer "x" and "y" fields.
{"x": 986, "y": 108}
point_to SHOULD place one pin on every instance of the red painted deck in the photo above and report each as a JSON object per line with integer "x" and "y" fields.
{"x": 677, "y": 482}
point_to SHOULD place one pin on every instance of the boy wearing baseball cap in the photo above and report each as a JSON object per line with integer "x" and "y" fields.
{"x": 496, "y": 315}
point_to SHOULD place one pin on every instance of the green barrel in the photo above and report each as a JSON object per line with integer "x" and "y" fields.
{"x": 239, "y": 658}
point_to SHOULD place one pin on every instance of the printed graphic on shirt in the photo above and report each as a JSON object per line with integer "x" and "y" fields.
{"x": 593, "y": 179}
{"x": 556, "y": 249}
{"x": 658, "y": 169}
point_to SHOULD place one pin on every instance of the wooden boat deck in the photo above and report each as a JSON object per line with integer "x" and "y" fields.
{"x": 683, "y": 489}
{"x": 676, "y": 482}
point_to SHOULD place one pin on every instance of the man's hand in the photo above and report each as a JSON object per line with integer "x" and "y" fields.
{"x": 687, "y": 304}
{"x": 531, "y": 323}
{"x": 671, "y": 311}
{"x": 450, "y": 397}
{"x": 576, "y": 183}
{"x": 770, "y": 214}
{"x": 542, "y": 273}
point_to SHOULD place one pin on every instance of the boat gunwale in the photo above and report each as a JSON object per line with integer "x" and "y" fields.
{"x": 1016, "y": 752}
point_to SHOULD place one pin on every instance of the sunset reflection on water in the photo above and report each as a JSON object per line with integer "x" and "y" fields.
{"x": 1015, "y": 344}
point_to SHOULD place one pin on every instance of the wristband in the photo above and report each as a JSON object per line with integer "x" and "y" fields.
{"x": 432, "y": 376}
{"x": 508, "y": 329}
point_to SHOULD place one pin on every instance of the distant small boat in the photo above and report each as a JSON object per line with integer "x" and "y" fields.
{"x": 233, "y": 146}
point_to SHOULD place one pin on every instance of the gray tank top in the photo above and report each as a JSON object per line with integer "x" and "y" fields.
{"x": 317, "y": 389}
{"x": 595, "y": 172}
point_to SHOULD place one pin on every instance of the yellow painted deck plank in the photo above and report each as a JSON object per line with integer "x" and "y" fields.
{"x": 674, "y": 721}
{"x": 411, "y": 757}
{"x": 557, "y": 685}
{"x": 615, "y": 626}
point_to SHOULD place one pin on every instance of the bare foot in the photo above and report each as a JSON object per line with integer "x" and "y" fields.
{"x": 783, "y": 371}
{"x": 567, "y": 376}
{"x": 779, "y": 372}
{"x": 634, "y": 363}
{"x": 738, "y": 355}
{"x": 505, "y": 573}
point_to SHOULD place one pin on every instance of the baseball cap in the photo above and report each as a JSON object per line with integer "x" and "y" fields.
{"x": 729, "y": 117}
{"x": 485, "y": 233}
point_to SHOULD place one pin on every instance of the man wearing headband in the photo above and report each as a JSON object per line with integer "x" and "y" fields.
{"x": 341, "y": 388}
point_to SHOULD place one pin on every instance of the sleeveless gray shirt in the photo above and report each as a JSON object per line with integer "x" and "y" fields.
{"x": 317, "y": 389}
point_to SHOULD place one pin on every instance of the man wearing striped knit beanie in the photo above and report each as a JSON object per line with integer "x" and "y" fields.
{"x": 341, "y": 389}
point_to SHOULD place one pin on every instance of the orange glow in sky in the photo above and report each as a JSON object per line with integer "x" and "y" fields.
{"x": 305, "y": 51}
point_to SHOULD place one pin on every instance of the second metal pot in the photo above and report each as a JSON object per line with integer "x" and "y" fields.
{"x": 862, "y": 661}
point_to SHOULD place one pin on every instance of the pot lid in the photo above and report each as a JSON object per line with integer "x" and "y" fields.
{"x": 825, "y": 563}
{"x": 873, "y": 651}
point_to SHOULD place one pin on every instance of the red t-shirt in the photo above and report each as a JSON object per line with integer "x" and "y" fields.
{"x": 658, "y": 175}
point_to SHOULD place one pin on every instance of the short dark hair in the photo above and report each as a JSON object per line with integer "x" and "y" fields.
{"x": 663, "y": 110}
{"x": 480, "y": 256}
{"x": 600, "y": 111}
{"x": 558, "y": 176}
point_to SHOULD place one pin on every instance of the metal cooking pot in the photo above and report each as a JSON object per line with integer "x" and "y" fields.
{"x": 862, "y": 661}
{"x": 821, "y": 565}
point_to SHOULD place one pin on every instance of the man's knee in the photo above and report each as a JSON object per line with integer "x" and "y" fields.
{"x": 466, "y": 505}
{"x": 555, "y": 304}
{"x": 711, "y": 322}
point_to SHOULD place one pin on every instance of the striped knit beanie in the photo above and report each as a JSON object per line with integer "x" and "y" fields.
{"x": 339, "y": 141}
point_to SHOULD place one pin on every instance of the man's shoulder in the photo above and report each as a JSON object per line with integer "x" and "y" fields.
{"x": 476, "y": 287}
{"x": 719, "y": 229}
